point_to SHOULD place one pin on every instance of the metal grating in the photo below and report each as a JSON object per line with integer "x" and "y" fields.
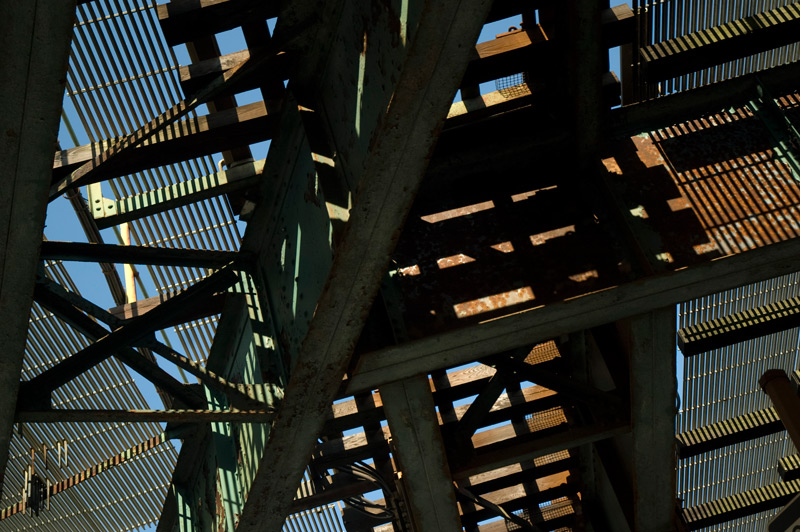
{"x": 722, "y": 384}
{"x": 125, "y": 498}
{"x": 667, "y": 19}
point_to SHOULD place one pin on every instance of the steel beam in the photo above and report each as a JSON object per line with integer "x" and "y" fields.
{"x": 177, "y": 142}
{"x": 653, "y": 390}
{"x": 789, "y": 467}
{"x": 49, "y": 295}
{"x": 190, "y": 258}
{"x": 415, "y": 71}
{"x": 717, "y": 45}
{"x": 680, "y": 107}
{"x": 185, "y": 20}
{"x": 472, "y": 342}
{"x": 420, "y": 452}
{"x": 502, "y": 453}
{"x": 35, "y": 38}
{"x": 124, "y": 336}
{"x": 108, "y": 213}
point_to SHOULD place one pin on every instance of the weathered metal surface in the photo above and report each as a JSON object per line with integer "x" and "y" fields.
{"x": 420, "y": 451}
{"x": 35, "y": 36}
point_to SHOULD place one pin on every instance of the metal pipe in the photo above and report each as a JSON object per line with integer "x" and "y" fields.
{"x": 776, "y": 384}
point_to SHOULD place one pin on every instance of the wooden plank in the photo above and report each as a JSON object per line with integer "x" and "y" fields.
{"x": 419, "y": 450}
{"x": 209, "y": 307}
{"x": 35, "y": 37}
{"x": 197, "y": 75}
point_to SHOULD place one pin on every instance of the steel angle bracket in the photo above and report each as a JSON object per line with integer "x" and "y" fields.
{"x": 99, "y": 206}
{"x": 782, "y": 130}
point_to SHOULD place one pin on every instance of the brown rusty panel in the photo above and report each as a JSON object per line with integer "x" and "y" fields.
{"x": 706, "y": 188}
{"x": 492, "y": 275}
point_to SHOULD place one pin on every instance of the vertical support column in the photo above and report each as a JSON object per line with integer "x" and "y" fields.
{"x": 417, "y": 439}
{"x": 650, "y": 342}
{"x": 34, "y": 37}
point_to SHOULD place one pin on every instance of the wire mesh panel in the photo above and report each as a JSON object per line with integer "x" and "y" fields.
{"x": 723, "y": 383}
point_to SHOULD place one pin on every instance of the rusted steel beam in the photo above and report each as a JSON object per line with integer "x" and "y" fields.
{"x": 385, "y": 162}
{"x": 83, "y": 252}
{"x": 144, "y": 416}
{"x": 35, "y": 39}
{"x": 525, "y": 328}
